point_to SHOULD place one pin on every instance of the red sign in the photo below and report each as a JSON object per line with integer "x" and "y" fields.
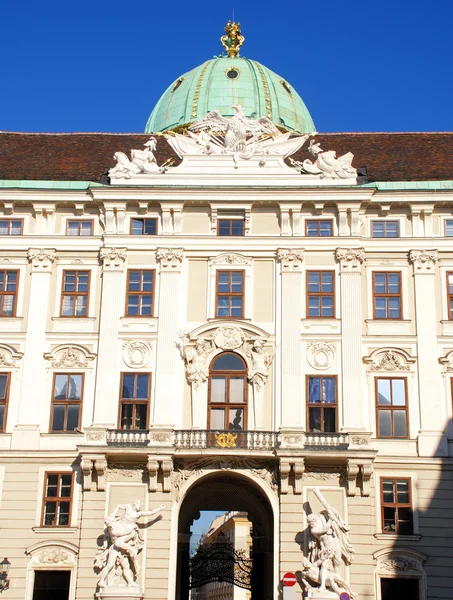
{"x": 345, "y": 596}
{"x": 289, "y": 579}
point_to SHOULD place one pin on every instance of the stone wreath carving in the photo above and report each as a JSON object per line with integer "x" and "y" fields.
{"x": 136, "y": 354}
{"x": 320, "y": 355}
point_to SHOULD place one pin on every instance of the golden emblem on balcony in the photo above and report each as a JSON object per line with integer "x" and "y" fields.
{"x": 233, "y": 39}
{"x": 225, "y": 440}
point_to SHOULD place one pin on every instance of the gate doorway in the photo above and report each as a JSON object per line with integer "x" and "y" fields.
{"x": 226, "y": 559}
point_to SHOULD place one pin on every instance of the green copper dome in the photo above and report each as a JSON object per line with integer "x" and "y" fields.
{"x": 223, "y": 81}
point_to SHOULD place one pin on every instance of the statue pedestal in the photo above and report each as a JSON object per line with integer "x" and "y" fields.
{"x": 317, "y": 594}
{"x": 121, "y": 592}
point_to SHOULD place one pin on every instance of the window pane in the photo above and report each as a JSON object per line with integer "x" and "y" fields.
{"x": 147, "y": 281}
{"x": 402, "y": 488}
{"x": 222, "y": 307}
{"x": 67, "y": 309}
{"x": 236, "y": 389}
{"x": 146, "y": 308}
{"x": 82, "y": 283}
{"x": 2, "y": 417}
{"x": 142, "y": 387}
{"x": 330, "y": 420}
{"x": 383, "y": 391}
{"x": 134, "y": 281}
{"x": 58, "y": 417}
{"x": 3, "y": 385}
{"x": 389, "y": 518}
{"x": 392, "y": 229}
{"x": 380, "y": 308}
{"x": 236, "y": 307}
{"x": 75, "y": 387}
{"x": 128, "y": 386}
{"x": 126, "y": 416}
{"x": 80, "y": 306}
{"x": 313, "y": 282}
{"x": 312, "y": 228}
{"x": 327, "y": 306}
{"x": 4, "y": 228}
{"x": 236, "y": 282}
{"x": 394, "y": 308}
{"x": 388, "y": 491}
{"x": 8, "y": 305}
{"x": 132, "y": 305}
{"x": 150, "y": 226}
{"x": 237, "y": 227}
{"x": 61, "y": 387}
{"x": 393, "y": 283}
{"x": 449, "y": 228}
{"x": 86, "y": 228}
{"x": 228, "y": 362}
{"x": 137, "y": 226}
{"x": 398, "y": 392}
{"x": 65, "y": 485}
{"x": 377, "y": 228}
{"x": 141, "y": 413}
{"x": 327, "y": 283}
{"x": 70, "y": 282}
{"x": 11, "y": 281}
{"x": 63, "y": 513}
{"x": 73, "y": 228}
{"x": 224, "y": 227}
{"x": 314, "y": 390}
{"x": 328, "y": 390}
{"x": 405, "y": 520}
{"x": 314, "y": 419}
{"x": 218, "y": 389}
{"x": 380, "y": 286}
{"x": 325, "y": 228}
{"x": 399, "y": 423}
{"x": 73, "y": 417}
{"x": 385, "y": 424}
{"x": 217, "y": 418}
{"x": 314, "y": 308}
{"x": 236, "y": 419}
{"x": 51, "y": 486}
{"x": 16, "y": 227}
{"x": 49, "y": 513}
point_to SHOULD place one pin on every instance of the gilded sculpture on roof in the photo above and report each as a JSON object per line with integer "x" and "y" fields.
{"x": 233, "y": 39}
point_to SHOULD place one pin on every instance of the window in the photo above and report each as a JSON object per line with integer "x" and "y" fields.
{"x": 391, "y": 406}
{"x": 143, "y": 226}
{"x": 57, "y": 499}
{"x": 79, "y": 227}
{"x": 385, "y": 229}
{"x": 318, "y": 228}
{"x": 396, "y": 506}
{"x": 450, "y": 294}
{"x": 8, "y": 292}
{"x": 396, "y": 588}
{"x": 51, "y": 584}
{"x": 134, "y": 401}
{"x": 66, "y": 402}
{"x": 322, "y": 404}
{"x": 230, "y": 294}
{"x": 230, "y": 227}
{"x": 4, "y": 394}
{"x": 387, "y": 295}
{"x": 140, "y": 293}
{"x": 449, "y": 228}
{"x": 320, "y": 293}
{"x": 11, "y": 226}
{"x": 74, "y": 298}
{"x": 227, "y": 404}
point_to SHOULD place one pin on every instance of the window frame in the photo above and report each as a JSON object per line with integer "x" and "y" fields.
{"x": 385, "y": 221}
{"x": 143, "y": 220}
{"x": 58, "y": 499}
{"x": 445, "y": 227}
{"x": 392, "y": 408}
{"x": 140, "y": 293}
{"x": 318, "y": 221}
{"x": 134, "y": 401}
{"x": 66, "y": 403}
{"x": 75, "y": 293}
{"x": 320, "y": 295}
{"x": 8, "y": 293}
{"x": 229, "y": 294}
{"x": 396, "y": 504}
{"x": 235, "y": 405}
{"x": 79, "y": 222}
{"x": 320, "y": 405}
{"x": 9, "y": 221}
{"x": 230, "y": 219}
{"x": 387, "y": 294}
{"x": 5, "y": 402}
{"x": 449, "y": 297}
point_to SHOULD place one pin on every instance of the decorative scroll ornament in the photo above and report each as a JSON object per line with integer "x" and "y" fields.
{"x": 233, "y": 39}
{"x": 350, "y": 259}
{"x": 229, "y": 337}
{"x": 59, "y": 554}
{"x": 225, "y": 440}
{"x": 9, "y": 356}
{"x": 230, "y": 259}
{"x": 320, "y": 355}
{"x": 113, "y": 258}
{"x": 291, "y": 259}
{"x": 136, "y": 354}
{"x": 53, "y": 556}
{"x": 41, "y": 258}
{"x": 69, "y": 357}
{"x": 447, "y": 362}
{"x": 390, "y": 359}
{"x": 423, "y": 261}
{"x": 142, "y": 161}
{"x": 327, "y": 164}
{"x": 170, "y": 259}
{"x": 398, "y": 563}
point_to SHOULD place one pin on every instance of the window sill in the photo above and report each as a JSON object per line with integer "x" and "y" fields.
{"x": 394, "y": 536}
{"x": 86, "y": 324}
{"x": 11, "y": 323}
{"x": 139, "y": 323}
{"x": 321, "y": 323}
{"x": 55, "y": 530}
{"x": 388, "y": 326}
{"x": 211, "y": 319}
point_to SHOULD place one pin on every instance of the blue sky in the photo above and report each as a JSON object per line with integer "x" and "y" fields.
{"x": 375, "y": 65}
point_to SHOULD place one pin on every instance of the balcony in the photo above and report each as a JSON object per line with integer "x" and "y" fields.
{"x": 226, "y": 439}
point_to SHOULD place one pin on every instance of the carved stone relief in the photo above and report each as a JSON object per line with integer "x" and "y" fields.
{"x": 41, "y": 258}
{"x": 424, "y": 261}
{"x": 136, "y": 353}
{"x": 320, "y": 355}
{"x": 291, "y": 259}
{"x": 70, "y": 357}
{"x": 389, "y": 359}
{"x": 350, "y": 259}
{"x": 113, "y": 258}
{"x": 230, "y": 259}
{"x": 9, "y": 357}
{"x": 170, "y": 259}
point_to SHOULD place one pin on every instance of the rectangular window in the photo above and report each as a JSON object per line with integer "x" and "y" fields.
{"x": 449, "y": 228}
{"x": 51, "y": 584}
{"x": 144, "y": 226}
{"x": 66, "y": 402}
{"x": 134, "y": 400}
{"x": 319, "y": 228}
{"x": 322, "y": 404}
{"x": 387, "y": 295}
{"x": 79, "y": 227}
{"x": 230, "y": 294}
{"x": 230, "y": 227}
{"x": 8, "y": 292}
{"x": 385, "y": 229}
{"x": 74, "y": 297}
{"x": 396, "y": 506}
{"x": 57, "y": 499}
{"x": 397, "y": 588}
{"x": 11, "y": 226}
{"x": 391, "y": 407}
{"x": 450, "y": 294}
{"x": 4, "y": 394}
{"x": 321, "y": 293}
{"x": 140, "y": 293}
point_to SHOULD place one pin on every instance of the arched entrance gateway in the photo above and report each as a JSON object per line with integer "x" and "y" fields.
{"x": 225, "y": 491}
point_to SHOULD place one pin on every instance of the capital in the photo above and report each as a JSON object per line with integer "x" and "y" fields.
{"x": 113, "y": 258}
{"x": 423, "y": 261}
{"x": 41, "y": 259}
{"x": 291, "y": 259}
{"x": 170, "y": 259}
{"x": 350, "y": 259}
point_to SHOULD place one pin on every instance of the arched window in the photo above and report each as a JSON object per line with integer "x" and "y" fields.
{"x": 227, "y": 402}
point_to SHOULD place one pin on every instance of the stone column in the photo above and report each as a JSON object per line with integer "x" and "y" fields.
{"x": 431, "y": 439}
{"x": 292, "y": 411}
{"x": 353, "y": 396}
{"x": 33, "y": 394}
{"x": 167, "y": 403}
{"x": 112, "y": 307}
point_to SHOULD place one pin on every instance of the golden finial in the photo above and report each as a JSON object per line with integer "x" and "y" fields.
{"x": 233, "y": 39}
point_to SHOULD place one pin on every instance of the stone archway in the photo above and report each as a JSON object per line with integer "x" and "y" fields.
{"x": 227, "y": 491}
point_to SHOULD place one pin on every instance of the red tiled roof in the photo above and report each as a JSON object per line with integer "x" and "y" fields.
{"x": 84, "y": 156}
